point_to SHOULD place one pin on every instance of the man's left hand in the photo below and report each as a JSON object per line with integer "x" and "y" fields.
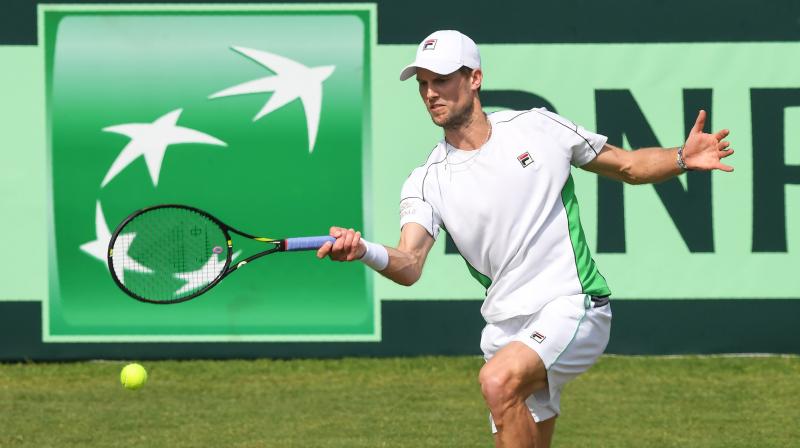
{"x": 704, "y": 152}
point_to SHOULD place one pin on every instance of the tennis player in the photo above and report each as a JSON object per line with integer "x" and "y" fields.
{"x": 500, "y": 185}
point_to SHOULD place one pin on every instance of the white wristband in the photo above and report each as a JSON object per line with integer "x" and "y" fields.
{"x": 376, "y": 256}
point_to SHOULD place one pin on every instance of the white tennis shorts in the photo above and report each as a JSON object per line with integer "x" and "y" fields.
{"x": 568, "y": 334}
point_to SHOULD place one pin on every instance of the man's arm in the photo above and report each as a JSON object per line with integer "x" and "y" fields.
{"x": 405, "y": 261}
{"x": 702, "y": 152}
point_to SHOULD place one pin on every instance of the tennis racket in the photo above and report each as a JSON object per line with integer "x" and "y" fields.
{"x": 172, "y": 253}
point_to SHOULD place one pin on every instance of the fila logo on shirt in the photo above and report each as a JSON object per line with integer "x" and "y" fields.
{"x": 429, "y": 44}
{"x": 525, "y": 159}
{"x": 536, "y": 336}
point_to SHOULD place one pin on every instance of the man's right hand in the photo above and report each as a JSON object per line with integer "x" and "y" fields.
{"x": 347, "y": 247}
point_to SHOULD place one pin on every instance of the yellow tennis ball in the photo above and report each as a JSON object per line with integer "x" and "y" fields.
{"x": 133, "y": 376}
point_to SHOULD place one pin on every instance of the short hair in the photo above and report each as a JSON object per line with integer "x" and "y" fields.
{"x": 466, "y": 71}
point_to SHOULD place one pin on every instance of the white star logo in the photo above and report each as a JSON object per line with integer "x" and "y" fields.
{"x": 151, "y": 141}
{"x": 293, "y": 80}
{"x": 122, "y": 261}
{"x": 203, "y": 276}
{"x": 99, "y": 247}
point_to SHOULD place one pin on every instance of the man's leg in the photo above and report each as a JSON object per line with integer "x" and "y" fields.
{"x": 546, "y": 429}
{"x": 507, "y": 380}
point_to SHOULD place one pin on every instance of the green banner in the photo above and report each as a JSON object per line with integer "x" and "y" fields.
{"x": 268, "y": 164}
{"x": 228, "y": 110}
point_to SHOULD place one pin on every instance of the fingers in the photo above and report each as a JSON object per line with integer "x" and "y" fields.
{"x": 352, "y": 245}
{"x": 724, "y": 149}
{"x": 726, "y": 168}
{"x": 339, "y": 243}
{"x": 355, "y": 247}
{"x": 347, "y": 246}
{"x": 324, "y": 250}
{"x": 347, "y": 240}
{"x": 700, "y": 123}
{"x": 722, "y": 154}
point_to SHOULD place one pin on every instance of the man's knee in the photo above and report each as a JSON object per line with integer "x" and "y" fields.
{"x": 500, "y": 387}
{"x": 506, "y": 380}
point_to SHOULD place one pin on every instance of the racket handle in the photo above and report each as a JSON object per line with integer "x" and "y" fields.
{"x": 307, "y": 242}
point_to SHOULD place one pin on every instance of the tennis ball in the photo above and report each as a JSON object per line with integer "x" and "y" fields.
{"x": 133, "y": 376}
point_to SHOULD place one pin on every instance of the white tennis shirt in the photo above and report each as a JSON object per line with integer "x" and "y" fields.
{"x": 511, "y": 210}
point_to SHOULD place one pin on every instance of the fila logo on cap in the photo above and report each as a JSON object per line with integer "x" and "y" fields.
{"x": 453, "y": 50}
{"x": 525, "y": 159}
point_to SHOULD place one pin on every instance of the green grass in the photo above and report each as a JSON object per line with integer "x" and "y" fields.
{"x": 411, "y": 402}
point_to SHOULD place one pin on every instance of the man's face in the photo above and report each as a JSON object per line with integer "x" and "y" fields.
{"x": 448, "y": 98}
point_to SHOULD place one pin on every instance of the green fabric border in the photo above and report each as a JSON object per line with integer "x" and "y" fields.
{"x": 592, "y": 281}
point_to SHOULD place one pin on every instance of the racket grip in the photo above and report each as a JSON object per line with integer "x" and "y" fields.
{"x": 307, "y": 242}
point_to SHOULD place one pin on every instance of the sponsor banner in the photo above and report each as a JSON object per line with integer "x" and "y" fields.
{"x": 231, "y": 110}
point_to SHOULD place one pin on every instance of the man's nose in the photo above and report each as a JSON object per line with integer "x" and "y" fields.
{"x": 431, "y": 93}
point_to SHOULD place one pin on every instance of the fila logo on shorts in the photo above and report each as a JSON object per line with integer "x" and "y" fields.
{"x": 429, "y": 44}
{"x": 536, "y": 336}
{"x": 525, "y": 159}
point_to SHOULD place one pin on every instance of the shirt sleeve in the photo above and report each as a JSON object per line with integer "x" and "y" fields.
{"x": 583, "y": 145}
{"x": 414, "y": 207}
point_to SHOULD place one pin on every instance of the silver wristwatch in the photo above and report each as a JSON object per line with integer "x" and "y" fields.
{"x": 681, "y": 162}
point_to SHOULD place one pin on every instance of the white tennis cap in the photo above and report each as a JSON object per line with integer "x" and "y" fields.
{"x": 444, "y": 52}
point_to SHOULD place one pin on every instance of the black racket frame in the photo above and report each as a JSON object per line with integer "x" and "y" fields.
{"x": 279, "y": 246}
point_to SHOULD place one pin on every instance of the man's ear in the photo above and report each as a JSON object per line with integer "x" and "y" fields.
{"x": 477, "y": 79}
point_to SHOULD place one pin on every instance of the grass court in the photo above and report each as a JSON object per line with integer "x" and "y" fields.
{"x": 410, "y": 402}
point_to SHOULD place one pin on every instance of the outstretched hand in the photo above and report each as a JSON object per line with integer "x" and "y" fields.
{"x": 347, "y": 247}
{"x": 704, "y": 152}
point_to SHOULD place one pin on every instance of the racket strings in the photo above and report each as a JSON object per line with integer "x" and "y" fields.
{"x": 169, "y": 253}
